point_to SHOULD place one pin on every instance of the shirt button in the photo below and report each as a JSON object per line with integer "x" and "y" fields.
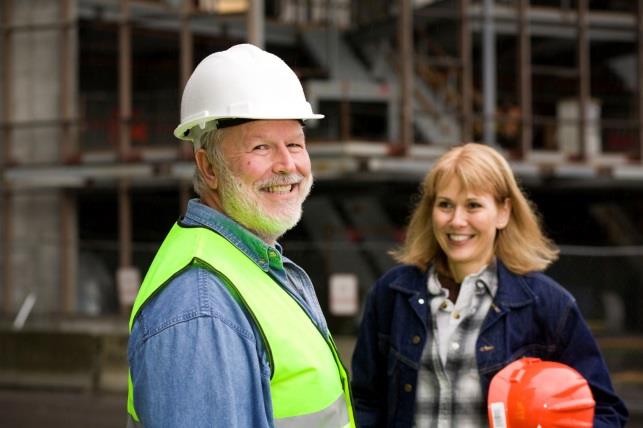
{"x": 415, "y": 340}
{"x": 421, "y": 301}
{"x": 408, "y": 387}
{"x": 455, "y": 346}
{"x": 443, "y": 305}
{"x": 456, "y": 315}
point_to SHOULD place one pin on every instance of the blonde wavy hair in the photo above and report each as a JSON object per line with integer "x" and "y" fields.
{"x": 521, "y": 245}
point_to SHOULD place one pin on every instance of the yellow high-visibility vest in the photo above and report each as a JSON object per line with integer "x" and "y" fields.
{"x": 309, "y": 385}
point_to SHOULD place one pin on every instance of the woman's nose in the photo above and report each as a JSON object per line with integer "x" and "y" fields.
{"x": 459, "y": 217}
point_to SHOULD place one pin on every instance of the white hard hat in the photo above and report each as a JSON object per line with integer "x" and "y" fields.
{"x": 243, "y": 82}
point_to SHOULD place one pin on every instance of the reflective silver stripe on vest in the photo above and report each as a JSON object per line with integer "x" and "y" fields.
{"x": 333, "y": 416}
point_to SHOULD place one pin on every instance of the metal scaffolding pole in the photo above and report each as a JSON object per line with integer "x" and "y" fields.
{"x": 584, "y": 76}
{"x": 7, "y": 94}
{"x": 124, "y": 80}
{"x": 125, "y": 102}
{"x": 255, "y": 23}
{"x": 67, "y": 149}
{"x": 466, "y": 80}
{"x": 524, "y": 67}
{"x": 639, "y": 73}
{"x": 187, "y": 57}
{"x": 186, "y": 50}
{"x": 489, "y": 73}
{"x": 405, "y": 39}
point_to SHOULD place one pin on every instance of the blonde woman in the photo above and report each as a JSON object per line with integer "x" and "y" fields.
{"x": 468, "y": 298}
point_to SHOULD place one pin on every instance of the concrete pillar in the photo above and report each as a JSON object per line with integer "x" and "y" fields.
{"x": 37, "y": 127}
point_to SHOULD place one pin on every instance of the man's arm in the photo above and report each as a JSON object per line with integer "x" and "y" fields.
{"x": 194, "y": 359}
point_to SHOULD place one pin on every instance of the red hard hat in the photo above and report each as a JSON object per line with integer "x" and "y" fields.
{"x": 531, "y": 393}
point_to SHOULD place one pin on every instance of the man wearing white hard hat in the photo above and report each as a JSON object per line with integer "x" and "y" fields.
{"x": 226, "y": 331}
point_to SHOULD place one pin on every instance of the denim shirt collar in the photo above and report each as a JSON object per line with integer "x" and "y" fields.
{"x": 264, "y": 255}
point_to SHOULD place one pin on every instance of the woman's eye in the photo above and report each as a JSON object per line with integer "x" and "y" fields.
{"x": 444, "y": 204}
{"x": 474, "y": 205}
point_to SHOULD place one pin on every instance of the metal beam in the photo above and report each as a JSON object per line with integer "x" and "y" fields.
{"x": 489, "y": 74}
{"x": 186, "y": 49}
{"x": 68, "y": 148}
{"x": 524, "y": 67}
{"x": 584, "y": 77}
{"x": 466, "y": 76}
{"x": 639, "y": 59}
{"x": 124, "y": 80}
{"x": 255, "y": 23}
{"x": 125, "y": 102}
{"x": 405, "y": 40}
{"x": 124, "y": 224}
{"x": 187, "y": 58}
{"x": 7, "y": 96}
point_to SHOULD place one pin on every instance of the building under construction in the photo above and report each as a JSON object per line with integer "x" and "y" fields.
{"x": 92, "y": 178}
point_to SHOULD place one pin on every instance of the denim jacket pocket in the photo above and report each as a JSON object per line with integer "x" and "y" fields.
{"x": 402, "y": 381}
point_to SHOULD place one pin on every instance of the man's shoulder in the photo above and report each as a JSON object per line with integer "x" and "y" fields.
{"x": 194, "y": 293}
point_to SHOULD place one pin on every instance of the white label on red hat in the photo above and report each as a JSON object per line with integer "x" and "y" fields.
{"x": 498, "y": 416}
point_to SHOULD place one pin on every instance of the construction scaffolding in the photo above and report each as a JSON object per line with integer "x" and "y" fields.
{"x": 90, "y": 94}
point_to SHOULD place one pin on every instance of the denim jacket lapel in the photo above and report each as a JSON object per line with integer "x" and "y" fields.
{"x": 414, "y": 286}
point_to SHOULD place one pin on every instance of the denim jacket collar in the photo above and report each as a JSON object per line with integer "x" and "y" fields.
{"x": 411, "y": 282}
{"x": 512, "y": 292}
{"x": 265, "y": 256}
{"x": 517, "y": 294}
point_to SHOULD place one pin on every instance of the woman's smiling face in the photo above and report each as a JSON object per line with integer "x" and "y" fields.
{"x": 465, "y": 224}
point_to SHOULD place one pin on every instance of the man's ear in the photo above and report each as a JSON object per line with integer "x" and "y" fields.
{"x": 205, "y": 168}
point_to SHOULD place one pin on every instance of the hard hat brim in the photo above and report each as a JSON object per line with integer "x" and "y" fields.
{"x": 182, "y": 131}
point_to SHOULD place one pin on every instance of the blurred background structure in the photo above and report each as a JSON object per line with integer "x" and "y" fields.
{"x": 91, "y": 177}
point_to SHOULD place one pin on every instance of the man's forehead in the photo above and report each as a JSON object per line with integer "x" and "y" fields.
{"x": 267, "y": 129}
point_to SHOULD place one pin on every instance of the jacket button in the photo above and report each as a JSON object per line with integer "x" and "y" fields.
{"x": 408, "y": 387}
{"x": 415, "y": 340}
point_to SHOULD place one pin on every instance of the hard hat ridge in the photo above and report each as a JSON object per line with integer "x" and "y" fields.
{"x": 242, "y": 82}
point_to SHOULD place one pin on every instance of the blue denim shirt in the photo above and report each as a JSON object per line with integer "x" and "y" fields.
{"x": 195, "y": 356}
{"x": 532, "y": 316}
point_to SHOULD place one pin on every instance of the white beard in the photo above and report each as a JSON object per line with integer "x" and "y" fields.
{"x": 243, "y": 203}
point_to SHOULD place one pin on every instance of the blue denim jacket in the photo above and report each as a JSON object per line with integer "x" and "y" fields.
{"x": 196, "y": 358}
{"x": 533, "y": 316}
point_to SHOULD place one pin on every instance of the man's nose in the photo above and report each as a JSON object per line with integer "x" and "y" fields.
{"x": 283, "y": 160}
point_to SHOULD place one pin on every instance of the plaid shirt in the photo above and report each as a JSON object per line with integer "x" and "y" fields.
{"x": 449, "y": 394}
